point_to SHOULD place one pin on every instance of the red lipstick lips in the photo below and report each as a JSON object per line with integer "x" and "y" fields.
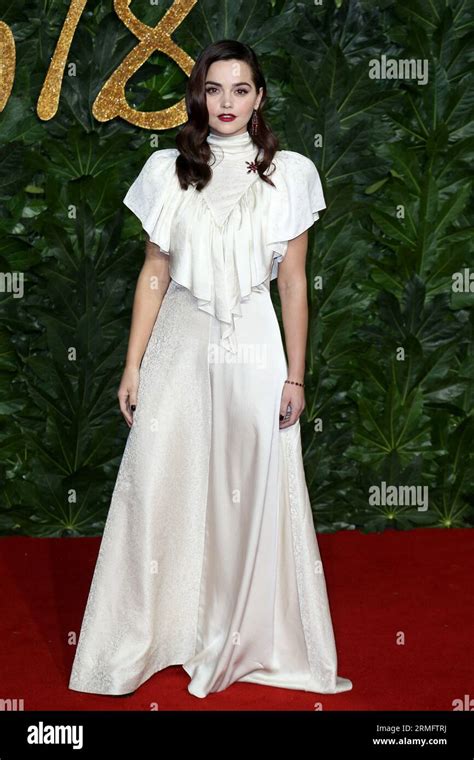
{"x": 227, "y": 117}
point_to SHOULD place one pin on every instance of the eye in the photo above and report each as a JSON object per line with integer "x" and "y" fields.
{"x": 211, "y": 88}
{"x": 245, "y": 92}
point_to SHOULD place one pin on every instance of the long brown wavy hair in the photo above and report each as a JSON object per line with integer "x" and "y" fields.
{"x": 192, "y": 164}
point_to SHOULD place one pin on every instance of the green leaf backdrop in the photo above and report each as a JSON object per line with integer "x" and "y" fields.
{"x": 372, "y": 414}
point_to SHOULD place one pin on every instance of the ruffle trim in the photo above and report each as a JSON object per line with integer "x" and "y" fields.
{"x": 300, "y": 199}
{"x": 222, "y": 264}
{"x": 156, "y": 186}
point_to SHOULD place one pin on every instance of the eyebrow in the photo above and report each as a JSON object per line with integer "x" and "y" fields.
{"x": 209, "y": 81}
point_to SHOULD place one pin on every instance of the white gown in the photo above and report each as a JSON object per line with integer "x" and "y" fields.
{"x": 209, "y": 557}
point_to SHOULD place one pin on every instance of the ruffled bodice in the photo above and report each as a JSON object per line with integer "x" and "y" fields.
{"x": 228, "y": 239}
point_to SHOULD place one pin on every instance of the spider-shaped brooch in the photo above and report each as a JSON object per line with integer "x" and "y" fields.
{"x": 252, "y": 166}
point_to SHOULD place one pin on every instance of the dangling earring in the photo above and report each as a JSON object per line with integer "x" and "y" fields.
{"x": 254, "y": 122}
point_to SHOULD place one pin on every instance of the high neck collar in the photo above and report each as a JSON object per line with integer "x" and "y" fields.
{"x": 232, "y": 145}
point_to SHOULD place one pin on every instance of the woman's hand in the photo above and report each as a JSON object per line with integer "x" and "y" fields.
{"x": 127, "y": 392}
{"x": 291, "y": 395}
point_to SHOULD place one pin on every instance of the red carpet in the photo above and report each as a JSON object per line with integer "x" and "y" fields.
{"x": 382, "y": 587}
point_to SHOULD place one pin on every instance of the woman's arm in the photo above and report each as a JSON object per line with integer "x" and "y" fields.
{"x": 152, "y": 284}
{"x": 292, "y": 288}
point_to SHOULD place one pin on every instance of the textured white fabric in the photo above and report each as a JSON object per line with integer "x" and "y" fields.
{"x": 231, "y": 173}
{"x": 227, "y": 240}
{"x": 209, "y": 557}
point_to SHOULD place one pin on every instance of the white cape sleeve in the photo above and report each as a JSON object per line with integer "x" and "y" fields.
{"x": 297, "y": 204}
{"x": 148, "y": 193}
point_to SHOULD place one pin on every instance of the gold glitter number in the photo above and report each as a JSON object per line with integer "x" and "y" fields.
{"x": 111, "y": 101}
{"x": 7, "y": 63}
{"x": 49, "y": 96}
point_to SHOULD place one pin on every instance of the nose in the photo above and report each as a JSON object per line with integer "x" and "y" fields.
{"x": 227, "y": 102}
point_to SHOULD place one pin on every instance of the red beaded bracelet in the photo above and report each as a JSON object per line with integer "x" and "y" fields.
{"x": 293, "y": 382}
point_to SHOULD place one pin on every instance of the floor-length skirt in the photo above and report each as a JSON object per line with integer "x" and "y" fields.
{"x": 209, "y": 557}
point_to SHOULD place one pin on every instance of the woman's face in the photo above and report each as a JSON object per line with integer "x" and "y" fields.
{"x": 230, "y": 91}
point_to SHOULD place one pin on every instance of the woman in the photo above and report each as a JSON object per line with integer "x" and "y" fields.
{"x": 209, "y": 557}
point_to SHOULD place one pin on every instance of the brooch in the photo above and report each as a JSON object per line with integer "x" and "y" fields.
{"x": 252, "y": 166}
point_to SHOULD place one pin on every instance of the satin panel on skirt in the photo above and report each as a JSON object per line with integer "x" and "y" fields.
{"x": 209, "y": 558}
